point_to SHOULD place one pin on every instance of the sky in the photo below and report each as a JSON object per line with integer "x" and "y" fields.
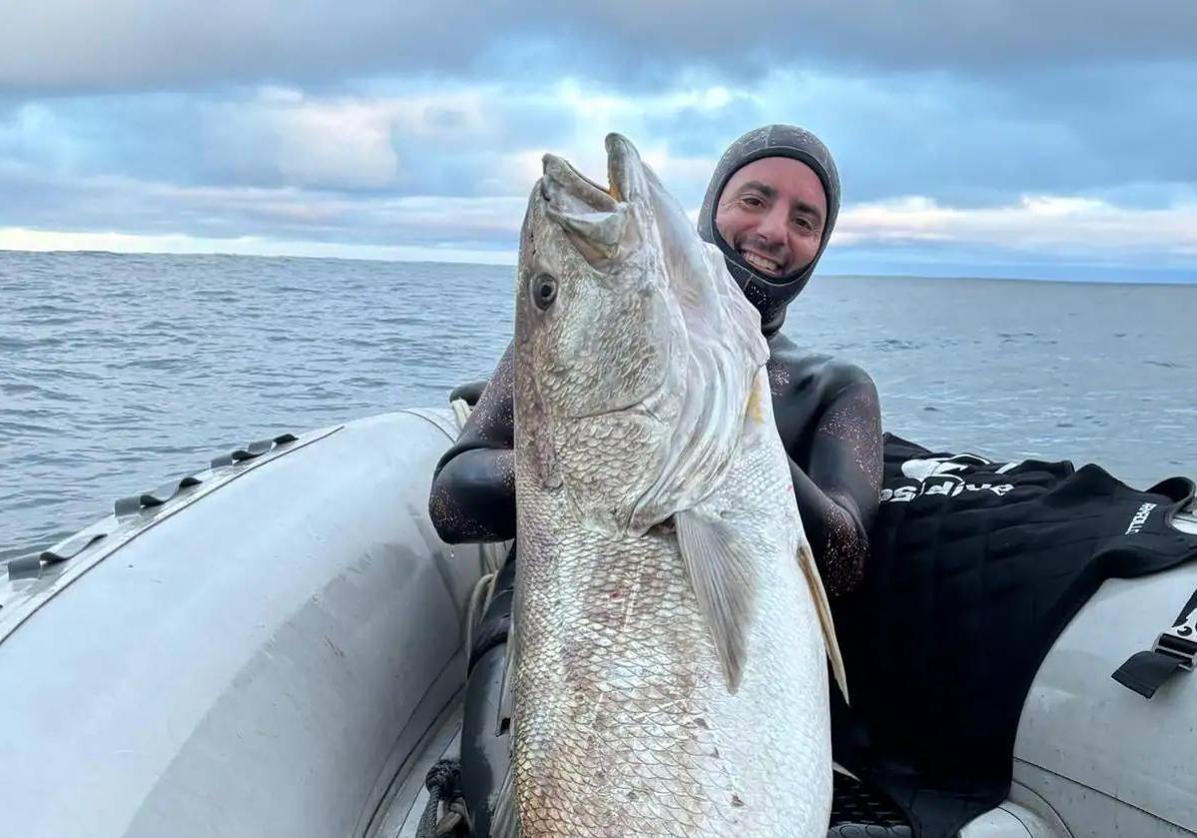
{"x": 973, "y": 137}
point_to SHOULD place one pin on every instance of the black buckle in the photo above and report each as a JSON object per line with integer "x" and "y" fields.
{"x": 1180, "y": 642}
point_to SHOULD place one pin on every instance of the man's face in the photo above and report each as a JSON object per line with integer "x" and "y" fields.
{"x": 772, "y": 212}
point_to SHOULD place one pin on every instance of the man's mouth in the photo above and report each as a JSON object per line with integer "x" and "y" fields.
{"x": 761, "y": 263}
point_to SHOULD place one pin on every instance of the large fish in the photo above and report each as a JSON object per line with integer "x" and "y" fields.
{"x": 668, "y": 665}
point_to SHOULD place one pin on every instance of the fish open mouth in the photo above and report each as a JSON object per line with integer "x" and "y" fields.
{"x": 600, "y": 223}
{"x": 574, "y": 191}
{"x": 569, "y": 190}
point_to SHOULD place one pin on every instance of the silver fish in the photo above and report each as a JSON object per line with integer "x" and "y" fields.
{"x": 669, "y": 627}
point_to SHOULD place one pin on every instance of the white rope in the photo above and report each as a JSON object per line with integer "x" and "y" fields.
{"x": 479, "y": 601}
{"x": 461, "y": 412}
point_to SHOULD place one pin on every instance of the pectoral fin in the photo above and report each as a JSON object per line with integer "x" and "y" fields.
{"x": 721, "y": 570}
{"x": 806, "y": 560}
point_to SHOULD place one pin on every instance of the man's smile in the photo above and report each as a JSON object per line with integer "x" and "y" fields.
{"x": 761, "y": 263}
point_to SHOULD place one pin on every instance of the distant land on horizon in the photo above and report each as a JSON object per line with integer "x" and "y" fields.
{"x": 834, "y": 265}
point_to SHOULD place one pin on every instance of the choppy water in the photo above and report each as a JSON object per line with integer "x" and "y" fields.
{"x": 118, "y": 372}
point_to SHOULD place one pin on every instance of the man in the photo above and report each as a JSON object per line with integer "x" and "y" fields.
{"x": 770, "y": 207}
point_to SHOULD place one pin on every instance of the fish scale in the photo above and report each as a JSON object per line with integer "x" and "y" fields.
{"x": 627, "y": 729}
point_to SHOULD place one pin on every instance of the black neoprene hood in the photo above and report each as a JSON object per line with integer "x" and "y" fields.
{"x": 770, "y": 295}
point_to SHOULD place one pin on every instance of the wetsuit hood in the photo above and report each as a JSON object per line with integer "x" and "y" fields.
{"x": 770, "y": 295}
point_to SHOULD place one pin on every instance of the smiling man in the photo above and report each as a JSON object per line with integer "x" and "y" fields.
{"x": 770, "y": 207}
{"x": 772, "y": 212}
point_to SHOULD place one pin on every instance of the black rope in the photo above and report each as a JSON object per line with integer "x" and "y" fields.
{"x": 443, "y": 782}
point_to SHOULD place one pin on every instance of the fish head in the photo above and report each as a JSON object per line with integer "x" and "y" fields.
{"x": 598, "y": 343}
{"x": 617, "y": 300}
{"x": 588, "y": 301}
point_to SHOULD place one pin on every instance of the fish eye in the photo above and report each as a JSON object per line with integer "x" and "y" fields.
{"x": 544, "y": 291}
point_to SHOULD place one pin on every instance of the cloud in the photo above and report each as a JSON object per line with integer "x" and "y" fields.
{"x": 282, "y": 139}
{"x": 1037, "y": 225}
{"x": 72, "y": 45}
{"x": 978, "y": 141}
{"x": 968, "y": 141}
{"x": 265, "y": 137}
{"x": 105, "y": 204}
{"x": 452, "y": 140}
{"x": 1038, "y": 235}
{"x": 956, "y": 127}
{"x": 18, "y": 238}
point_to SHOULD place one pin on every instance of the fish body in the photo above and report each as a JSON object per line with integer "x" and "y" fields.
{"x": 670, "y": 635}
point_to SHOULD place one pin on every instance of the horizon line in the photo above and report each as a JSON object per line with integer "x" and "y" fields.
{"x": 469, "y": 258}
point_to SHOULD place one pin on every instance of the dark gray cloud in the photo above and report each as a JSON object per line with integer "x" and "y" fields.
{"x": 73, "y": 45}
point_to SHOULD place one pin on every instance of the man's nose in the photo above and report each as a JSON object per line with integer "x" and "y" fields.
{"x": 773, "y": 226}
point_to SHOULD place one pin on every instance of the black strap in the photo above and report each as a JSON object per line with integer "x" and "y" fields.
{"x": 1175, "y": 649}
{"x": 1145, "y": 672}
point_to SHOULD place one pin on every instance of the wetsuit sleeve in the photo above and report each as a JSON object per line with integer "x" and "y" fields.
{"x": 473, "y": 486}
{"x": 838, "y": 495}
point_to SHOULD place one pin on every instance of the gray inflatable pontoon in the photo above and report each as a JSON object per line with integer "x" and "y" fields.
{"x": 273, "y": 651}
{"x": 275, "y": 648}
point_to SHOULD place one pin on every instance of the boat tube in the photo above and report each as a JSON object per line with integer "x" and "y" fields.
{"x": 276, "y": 646}
{"x": 264, "y": 650}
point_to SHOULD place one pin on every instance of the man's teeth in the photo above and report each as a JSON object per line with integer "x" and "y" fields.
{"x": 761, "y": 262}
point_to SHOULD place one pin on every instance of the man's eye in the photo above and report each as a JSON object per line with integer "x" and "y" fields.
{"x": 753, "y": 201}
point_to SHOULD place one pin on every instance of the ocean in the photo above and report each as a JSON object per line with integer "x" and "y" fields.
{"x": 118, "y": 372}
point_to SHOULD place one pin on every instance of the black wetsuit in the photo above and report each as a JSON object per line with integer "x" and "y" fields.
{"x": 828, "y": 418}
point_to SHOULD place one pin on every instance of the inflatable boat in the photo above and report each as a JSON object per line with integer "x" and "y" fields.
{"x": 276, "y": 646}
